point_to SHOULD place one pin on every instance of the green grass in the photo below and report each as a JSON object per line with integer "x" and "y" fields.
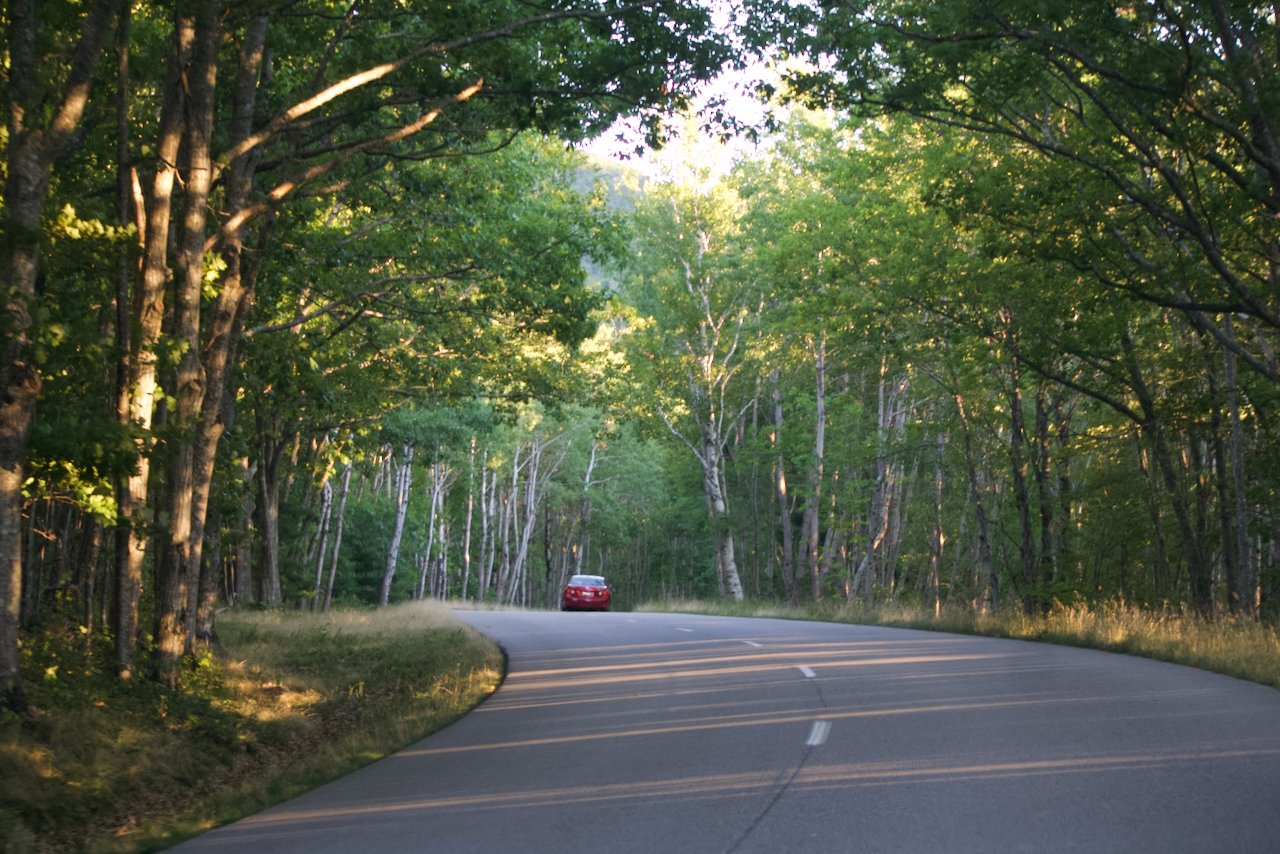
{"x": 290, "y": 701}
{"x": 1246, "y": 649}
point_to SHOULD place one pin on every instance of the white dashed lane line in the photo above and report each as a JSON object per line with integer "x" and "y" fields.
{"x": 808, "y": 672}
{"x": 753, "y": 643}
{"x": 818, "y": 735}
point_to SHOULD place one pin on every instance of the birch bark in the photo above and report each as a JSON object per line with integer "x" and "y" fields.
{"x": 337, "y": 535}
{"x": 404, "y": 480}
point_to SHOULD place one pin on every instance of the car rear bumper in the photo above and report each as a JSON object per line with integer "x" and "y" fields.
{"x": 584, "y": 605}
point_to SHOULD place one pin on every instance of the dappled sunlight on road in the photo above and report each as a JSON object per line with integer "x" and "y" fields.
{"x": 701, "y": 650}
{"x": 704, "y": 660}
{"x": 748, "y": 737}
{"x": 702, "y": 687}
{"x": 896, "y": 773}
{"x": 715, "y": 785}
{"x": 557, "y": 679}
{"x": 774, "y": 719}
{"x": 957, "y": 771}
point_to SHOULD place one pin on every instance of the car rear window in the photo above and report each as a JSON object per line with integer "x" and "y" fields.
{"x": 587, "y": 581}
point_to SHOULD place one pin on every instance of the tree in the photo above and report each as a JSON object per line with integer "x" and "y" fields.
{"x": 702, "y": 304}
{"x": 38, "y": 69}
{"x": 1173, "y": 107}
{"x": 317, "y": 104}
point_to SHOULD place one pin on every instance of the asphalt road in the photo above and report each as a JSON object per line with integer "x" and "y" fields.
{"x": 676, "y": 733}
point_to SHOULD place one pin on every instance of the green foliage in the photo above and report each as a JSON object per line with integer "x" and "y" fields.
{"x": 1139, "y": 112}
{"x": 76, "y": 448}
{"x": 364, "y": 556}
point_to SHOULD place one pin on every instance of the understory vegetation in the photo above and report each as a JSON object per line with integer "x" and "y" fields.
{"x": 285, "y": 702}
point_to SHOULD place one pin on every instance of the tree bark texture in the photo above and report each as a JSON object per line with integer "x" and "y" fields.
{"x": 177, "y": 565}
{"x": 30, "y": 157}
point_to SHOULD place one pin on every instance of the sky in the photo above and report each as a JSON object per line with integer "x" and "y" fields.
{"x": 694, "y": 148}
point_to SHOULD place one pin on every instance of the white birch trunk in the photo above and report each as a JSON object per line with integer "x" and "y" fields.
{"x": 326, "y": 510}
{"x": 466, "y": 528}
{"x": 483, "y": 568}
{"x": 337, "y": 535}
{"x": 502, "y": 550}
{"x": 440, "y": 475}
{"x": 785, "y": 504}
{"x": 584, "y": 514}
{"x": 939, "y": 538}
{"x": 527, "y": 523}
{"x": 813, "y": 509}
{"x": 404, "y": 480}
{"x": 244, "y": 586}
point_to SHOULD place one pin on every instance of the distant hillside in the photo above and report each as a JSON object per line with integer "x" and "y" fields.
{"x": 621, "y": 179}
{"x": 622, "y": 183}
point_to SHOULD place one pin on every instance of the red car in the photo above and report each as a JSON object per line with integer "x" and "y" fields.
{"x": 586, "y": 593}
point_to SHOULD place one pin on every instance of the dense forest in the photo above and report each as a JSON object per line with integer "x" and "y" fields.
{"x": 316, "y": 302}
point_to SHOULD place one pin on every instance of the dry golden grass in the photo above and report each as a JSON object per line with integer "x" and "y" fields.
{"x": 290, "y": 701}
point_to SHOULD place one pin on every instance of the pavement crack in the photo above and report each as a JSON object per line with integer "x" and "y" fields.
{"x": 822, "y": 728}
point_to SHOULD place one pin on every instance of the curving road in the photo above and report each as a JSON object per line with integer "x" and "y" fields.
{"x": 658, "y": 732}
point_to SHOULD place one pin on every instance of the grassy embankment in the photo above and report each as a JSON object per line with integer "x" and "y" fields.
{"x": 290, "y": 701}
{"x": 1246, "y": 649}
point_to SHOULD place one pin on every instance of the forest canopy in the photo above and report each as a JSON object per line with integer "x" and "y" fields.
{"x": 317, "y": 302}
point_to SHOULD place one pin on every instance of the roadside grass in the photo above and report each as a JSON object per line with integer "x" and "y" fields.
{"x": 1245, "y": 649}
{"x": 289, "y": 701}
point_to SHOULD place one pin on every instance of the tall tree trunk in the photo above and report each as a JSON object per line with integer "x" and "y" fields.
{"x": 33, "y": 558}
{"x": 1201, "y": 576}
{"x": 210, "y": 584}
{"x": 785, "y": 503}
{"x": 89, "y": 575}
{"x": 988, "y": 593}
{"x": 584, "y": 508}
{"x": 813, "y": 497}
{"x": 29, "y": 157}
{"x": 1043, "y": 470}
{"x": 529, "y": 522}
{"x": 178, "y": 559}
{"x": 269, "y": 512}
{"x": 938, "y": 538}
{"x": 875, "y": 567}
{"x": 1162, "y": 575}
{"x": 216, "y": 409}
{"x": 487, "y": 515}
{"x": 466, "y": 529}
{"x": 139, "y": 382}
{"x": 508, "y": 521}
{"x": 404, "y": 481}
{"x": 337, "y": 535}
{"x": 130, "y": 541}
{"x": 713, "y": 483}
{"x": 245, "y": 586}
{"x": 1022, "y": 495}
{"x": 440, "y": 589}
{"x": 322, "y": 541}
{"x": 422, "y": 588}
{"x": 1245, "y": 594}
